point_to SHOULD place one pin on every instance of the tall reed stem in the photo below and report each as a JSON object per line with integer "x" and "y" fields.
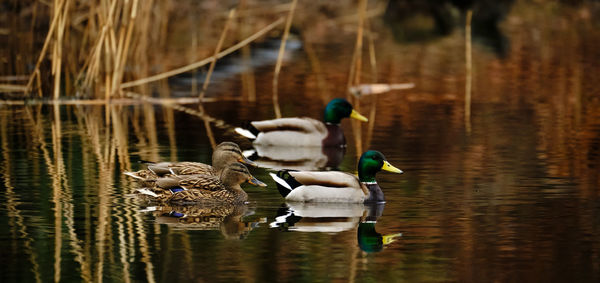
{"x": 288, "y": 24}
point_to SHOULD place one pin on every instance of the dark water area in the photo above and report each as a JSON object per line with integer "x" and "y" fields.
{"x": 511, "y": 195}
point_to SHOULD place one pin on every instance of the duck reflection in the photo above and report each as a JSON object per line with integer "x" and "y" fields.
{"x": 297, "y": 158}
{"x": 225, "y": 218}
{"x": 335, "y": 218}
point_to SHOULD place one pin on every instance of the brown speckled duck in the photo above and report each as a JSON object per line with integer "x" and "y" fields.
{"x": 225, "y": 153}
{"x": 198, "y": 188}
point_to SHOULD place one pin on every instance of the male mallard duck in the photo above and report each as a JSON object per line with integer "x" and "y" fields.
{"x": 304, "y": 131}
{"x": 225, "y": 153}
{"x": 333, "y": 186}
{"x": 203, "y": 188}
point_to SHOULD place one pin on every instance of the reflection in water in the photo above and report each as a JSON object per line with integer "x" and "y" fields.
{"x": 225, "y": 218}
{"x": 299, "y": 158}
{"x": 335, "y": 218}
{"x": 370, "y": 241}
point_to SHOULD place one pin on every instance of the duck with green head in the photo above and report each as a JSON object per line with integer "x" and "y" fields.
{"x": 304, "y": 131}
{"x": 332, "y": 186}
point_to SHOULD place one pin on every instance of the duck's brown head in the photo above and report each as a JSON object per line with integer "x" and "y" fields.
{"x": 236, "y": 173}
{"x": 228, "y": 153}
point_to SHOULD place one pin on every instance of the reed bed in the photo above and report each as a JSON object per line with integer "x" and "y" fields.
{"x": 94, "y": 49}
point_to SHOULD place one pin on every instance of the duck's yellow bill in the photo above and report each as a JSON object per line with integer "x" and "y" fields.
{"x": 390, "y": 168}
{"x": 256, "y": 182}
{"x": 247, "y": 161}
{"x": 387, "y": 239}
{"x": 357, "y": 116}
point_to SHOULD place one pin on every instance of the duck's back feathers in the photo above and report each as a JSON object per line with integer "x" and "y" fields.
{"x": 204, "y": 182}
{"x": 207, "y": 196}
{"x": 326, "y": 178}
{"x": 291, "y": 132}
{"x": 303, "y": 124}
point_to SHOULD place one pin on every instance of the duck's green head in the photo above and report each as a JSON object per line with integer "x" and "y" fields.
{"x": 339, "y": 108}
{"x": 372, "y": 162}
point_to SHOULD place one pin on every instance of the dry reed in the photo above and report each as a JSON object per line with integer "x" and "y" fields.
{"x": 468, "y": 67}
{"x": 217, "y": 50}
{"x": 288, "y": 24}
{"x": 204, "y": 61}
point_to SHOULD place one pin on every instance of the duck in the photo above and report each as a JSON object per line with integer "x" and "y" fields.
{"x": 304, "y": 131}
{"x": 335, "y": 186}
{"x": 202, "y": 188}
{"x": 224, "y": 154}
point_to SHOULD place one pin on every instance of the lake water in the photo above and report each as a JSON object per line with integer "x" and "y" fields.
{"x": 510, "y": 195}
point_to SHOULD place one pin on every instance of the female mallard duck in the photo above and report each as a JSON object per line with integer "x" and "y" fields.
{"x": 304, "y": 131}
{"x": 203, "y": 188}
{"x": 225, "y": 153}
{"x": 332, "y": 186}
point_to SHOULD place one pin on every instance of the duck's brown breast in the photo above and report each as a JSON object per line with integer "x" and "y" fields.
{"x": 335, "y": 136}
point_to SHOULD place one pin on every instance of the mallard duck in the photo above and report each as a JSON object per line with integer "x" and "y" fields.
{"x": 224, "y": 154}
{"x": 305, "y": 186}
{"x": 304, "y": 131}
{"x": 224, "y": 188}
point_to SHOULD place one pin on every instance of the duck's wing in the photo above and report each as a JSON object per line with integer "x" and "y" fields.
{"x": 202, "y": 182}
{"x": 306, "y": 125}
{"x": 169, "y": 182}
{"x": 142, "y": 175}
{"x": 191, "y": 168}
{"x": 327, "y": 179}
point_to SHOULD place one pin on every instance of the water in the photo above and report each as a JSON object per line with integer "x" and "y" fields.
{"x": 511, "y": 195}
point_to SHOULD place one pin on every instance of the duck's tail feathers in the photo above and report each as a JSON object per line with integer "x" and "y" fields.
{"x": 245, "y": 133}
{"x": 134, "y": 175}
{"x": 248, "y": 131}
{"x": 285, "y": 182}
{"x": 146, "y": 191}
{"x": 142, "y": 161}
